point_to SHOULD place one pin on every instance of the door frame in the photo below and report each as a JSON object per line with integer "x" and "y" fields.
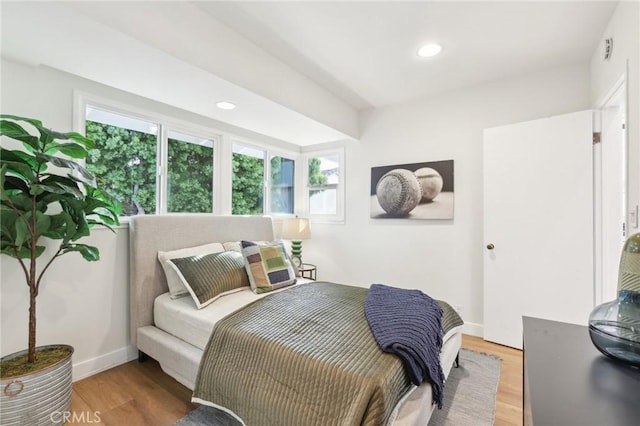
{"x": 618, "y": 93}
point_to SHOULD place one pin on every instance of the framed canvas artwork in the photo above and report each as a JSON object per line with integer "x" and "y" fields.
{"x": 412, "y": 191}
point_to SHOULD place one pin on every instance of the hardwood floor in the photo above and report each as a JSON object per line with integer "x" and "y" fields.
{"x": 141, "y": 394}
{"x": 509, "y": 397}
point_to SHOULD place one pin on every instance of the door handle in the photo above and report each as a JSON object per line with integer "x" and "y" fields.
{"x": 490, "y": 246}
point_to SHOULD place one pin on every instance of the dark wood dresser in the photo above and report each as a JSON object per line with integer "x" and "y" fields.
{"x": 567, "y": 381}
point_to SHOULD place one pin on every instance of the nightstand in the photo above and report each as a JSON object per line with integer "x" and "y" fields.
{"x": 308, "y": 271}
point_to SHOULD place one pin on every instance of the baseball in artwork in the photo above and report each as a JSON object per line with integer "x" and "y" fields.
{"x": 413, "y": 191}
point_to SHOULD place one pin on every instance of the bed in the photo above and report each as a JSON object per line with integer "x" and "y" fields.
{"x": 174, "y": 333}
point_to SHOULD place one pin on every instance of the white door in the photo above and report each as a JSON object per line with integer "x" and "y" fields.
{"x": 612, "y": 199}
{"x": 538, "y": 224}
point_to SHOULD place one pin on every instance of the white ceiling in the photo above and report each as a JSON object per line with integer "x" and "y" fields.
{"x": 299, "y": 71}
{"x": 365, "y": 52}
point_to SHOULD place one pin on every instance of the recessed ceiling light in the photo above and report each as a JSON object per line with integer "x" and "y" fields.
{"x": 225, "y": 105}
{"x": 429, "y": 50}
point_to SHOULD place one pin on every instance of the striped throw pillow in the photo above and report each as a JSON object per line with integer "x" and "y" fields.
{"x": 209, "y": 276}
{"x": 268, "y": 266}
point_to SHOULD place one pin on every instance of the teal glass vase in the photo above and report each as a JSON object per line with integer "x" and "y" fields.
{"x": 614, "y": 327}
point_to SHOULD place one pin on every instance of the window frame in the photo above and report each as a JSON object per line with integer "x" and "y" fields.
{"x": 339, "y": 216}
{"x": 165, "y": 125}
{"x": 270, "y": 151}
{"x": 223, "y": 142}
{"x": 165, "y": 161}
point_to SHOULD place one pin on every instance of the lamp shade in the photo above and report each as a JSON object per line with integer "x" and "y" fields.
{"x": 295, "y": 229}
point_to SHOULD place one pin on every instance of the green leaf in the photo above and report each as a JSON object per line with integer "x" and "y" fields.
{"x": 85, "y": 141}
{"x": 9, "y": 251}
{"x": 43, "y": 222}
{"x": 19, "y": 200}
{"x": 20, "y": 170}
{"x": 61, "y": 185}
{"x": 19, "y": 156}
{"x": 89, "y": 253}
{"x": 8, "y": 219}
{"x": 87, "y": 177}
{"x": 82, "y": 229}
{"x": 35, "y": 123}
{"x": 17, "y": 132}
{"x": 10, "y": 128}
{"x": 58, "y": 226}
{"x": 23, "y": 252}
{"x": 69, "y": 229}
{"x": 3, "y": 180}
{"x": 19, "y": 164}
{"x": 23, "y": 230}
{"x": 13, "y": 183}
{"x": 73, "y": 150}
{"x": 36, "y": 190}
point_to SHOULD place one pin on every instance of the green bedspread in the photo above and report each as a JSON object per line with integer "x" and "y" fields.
{"x": 304, "y": 356}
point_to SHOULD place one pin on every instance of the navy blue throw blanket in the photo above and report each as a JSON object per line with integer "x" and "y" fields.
{"x": 407, "y": 323}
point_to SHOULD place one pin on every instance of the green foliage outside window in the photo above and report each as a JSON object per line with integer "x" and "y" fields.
{"x": 124, "y": 163}
{"x": 248, "y": 184}
{"x": 315, "y": 174}
{"x": 190, "y": 171}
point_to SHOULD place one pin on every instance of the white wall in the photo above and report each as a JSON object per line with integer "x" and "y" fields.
{"x": 82, "y": 304}
{"x": 441, "y": 257}
{"x": 624, "y": 29}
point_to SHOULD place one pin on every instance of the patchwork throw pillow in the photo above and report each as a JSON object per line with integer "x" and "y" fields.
{"x": 237, "y": 246}
{"x": 209, "y": 276}
{"x": 268, "y": 266}
{"x": 176, "y": 286}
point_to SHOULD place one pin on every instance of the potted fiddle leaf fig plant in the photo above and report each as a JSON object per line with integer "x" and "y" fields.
{"x": 48, "y": 203}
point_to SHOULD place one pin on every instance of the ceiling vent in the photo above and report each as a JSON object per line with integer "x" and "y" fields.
{"x": 608, "y": 48}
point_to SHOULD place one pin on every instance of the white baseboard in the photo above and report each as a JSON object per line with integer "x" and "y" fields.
{"x": 104, "y": 362}
{"x": 473, "y": 329}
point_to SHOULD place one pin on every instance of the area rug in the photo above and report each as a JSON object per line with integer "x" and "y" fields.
{"x": 470, "y": 392}
{"x": 469, "y": 397}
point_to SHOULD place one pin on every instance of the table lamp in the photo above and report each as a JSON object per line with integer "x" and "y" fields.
{"x": 296, "y": 230}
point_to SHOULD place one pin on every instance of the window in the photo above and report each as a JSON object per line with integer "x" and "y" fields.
{"x": 248, "y": 180}
{"x": 126, "y": 159}
{"x": 189, "y": 174}
{"x": 282, "y": 186}
{"x": 154, "y": 164}
{"x": 260, "y": 186}
{"x": 325, "y": 185}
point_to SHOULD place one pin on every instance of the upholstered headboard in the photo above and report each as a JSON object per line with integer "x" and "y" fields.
{"x": 153, "y": 233}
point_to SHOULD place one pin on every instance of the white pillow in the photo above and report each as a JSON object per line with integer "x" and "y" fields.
{"x": 176, "y": 286}
{"x": 237, "y": 245}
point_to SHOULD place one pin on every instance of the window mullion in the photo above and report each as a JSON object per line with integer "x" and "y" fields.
{"x": 162, "y": 179}
{"x": 266, "y": 208}
{"x": 302, "y": 183}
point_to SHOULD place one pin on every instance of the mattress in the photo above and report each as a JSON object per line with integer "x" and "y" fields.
{"x": 180, "y": 317}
